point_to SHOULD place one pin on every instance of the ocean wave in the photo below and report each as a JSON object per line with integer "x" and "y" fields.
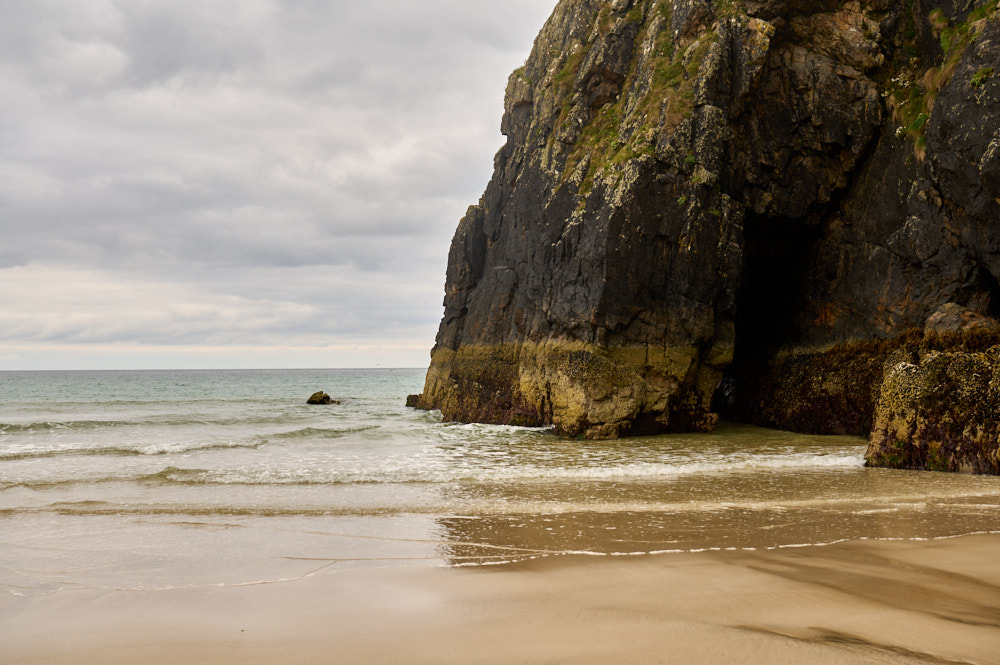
{"x": 153, "y": 420}
{"x": 48, "y": 426}
{"x": 540, "y": 512}
{"x": 59, "y": 483}
{"x": 169, "y": 448}
{"x": 408, "y": 472}
{"x": 666, "y": 471}
{"x": 139, "y": 450}
{"x": 191, "y": 476}
{"x": 321, "y": 432}
{"x": 486, "y": 428}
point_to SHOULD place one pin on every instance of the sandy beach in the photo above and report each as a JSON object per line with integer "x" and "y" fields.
{"x": 190, "y": 526}
{"x": 855, "y": 602}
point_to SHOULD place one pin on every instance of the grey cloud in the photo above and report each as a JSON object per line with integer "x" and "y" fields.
{"x": 308, "y": 159}
{"x": 192, "y": 39}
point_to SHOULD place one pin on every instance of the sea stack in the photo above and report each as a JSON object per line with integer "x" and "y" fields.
{"x": 748, "y": 208}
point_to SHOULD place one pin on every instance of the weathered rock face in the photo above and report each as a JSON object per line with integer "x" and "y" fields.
{"x": 939, "y": 411}
{"x": 698, "y": 194}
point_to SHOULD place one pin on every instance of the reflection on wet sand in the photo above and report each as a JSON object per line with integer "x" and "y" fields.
{"x": 742, "y": 512}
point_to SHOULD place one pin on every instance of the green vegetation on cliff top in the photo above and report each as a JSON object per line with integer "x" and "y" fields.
{"x": 911, "y": 93}
{"x": 625, "y": 129}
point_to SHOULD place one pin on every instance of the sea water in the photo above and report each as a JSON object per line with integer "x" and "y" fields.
{"x": 175, "y": 479}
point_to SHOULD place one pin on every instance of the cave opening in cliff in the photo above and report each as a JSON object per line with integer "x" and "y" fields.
{"x": 771, "y": 295}
{"x": 982, "y": 293}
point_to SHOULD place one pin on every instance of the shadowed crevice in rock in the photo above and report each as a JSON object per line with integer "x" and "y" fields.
{"x": 770, "y": 298}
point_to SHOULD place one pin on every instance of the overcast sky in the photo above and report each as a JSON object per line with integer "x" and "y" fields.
{"x": 241, "y": 183}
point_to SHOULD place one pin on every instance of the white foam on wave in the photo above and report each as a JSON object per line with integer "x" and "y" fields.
{"x": 485, "y": 428}
{"x": 878, "y": 511}
{"x": 655, "y": 470}
{"x": 711, "y": 549}
{"x": 402, "y": 469}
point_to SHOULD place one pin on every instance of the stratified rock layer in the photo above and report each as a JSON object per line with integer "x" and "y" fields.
{"x": 702, "y": 203}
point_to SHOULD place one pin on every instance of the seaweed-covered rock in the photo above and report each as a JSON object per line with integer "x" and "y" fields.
{"x": 320, "y": 397}
{"x": 833, "y": 391}
{"x": 939, "y": 411}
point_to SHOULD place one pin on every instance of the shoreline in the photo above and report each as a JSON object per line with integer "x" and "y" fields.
{"x": 860, "y": 601}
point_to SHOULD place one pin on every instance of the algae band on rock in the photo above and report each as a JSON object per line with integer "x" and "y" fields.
{"x": 698, "y": 200}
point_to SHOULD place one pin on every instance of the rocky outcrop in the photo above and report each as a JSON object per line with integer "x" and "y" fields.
{"x": 320, "y": 397}
{"x": 702, "y": 205}
{"x": 939, "y": 411}
{"x": 953, "y": 318}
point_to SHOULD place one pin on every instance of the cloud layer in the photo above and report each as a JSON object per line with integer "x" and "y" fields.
{"x": 205, "y": 177}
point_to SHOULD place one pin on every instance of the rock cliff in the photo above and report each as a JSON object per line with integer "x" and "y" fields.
{"x": 723, "y": 206}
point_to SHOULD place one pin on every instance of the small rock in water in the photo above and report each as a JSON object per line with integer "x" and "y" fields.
{"x": 320, "y": 397}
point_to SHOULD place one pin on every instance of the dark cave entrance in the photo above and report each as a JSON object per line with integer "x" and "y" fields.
{"x": 981, "y": 292}
{"x": 770, "y": 298}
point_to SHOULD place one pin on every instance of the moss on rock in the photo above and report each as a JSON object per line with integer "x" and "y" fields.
{"x": 578, "y": 388}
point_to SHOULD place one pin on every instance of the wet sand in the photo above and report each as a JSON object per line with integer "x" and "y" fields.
{"x": 855, "y": 602}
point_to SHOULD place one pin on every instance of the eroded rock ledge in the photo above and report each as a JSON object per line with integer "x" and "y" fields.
{"x": 700, "y": 203}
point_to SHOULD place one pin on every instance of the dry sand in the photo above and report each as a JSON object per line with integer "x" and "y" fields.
{"x": 859, "y": 602}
